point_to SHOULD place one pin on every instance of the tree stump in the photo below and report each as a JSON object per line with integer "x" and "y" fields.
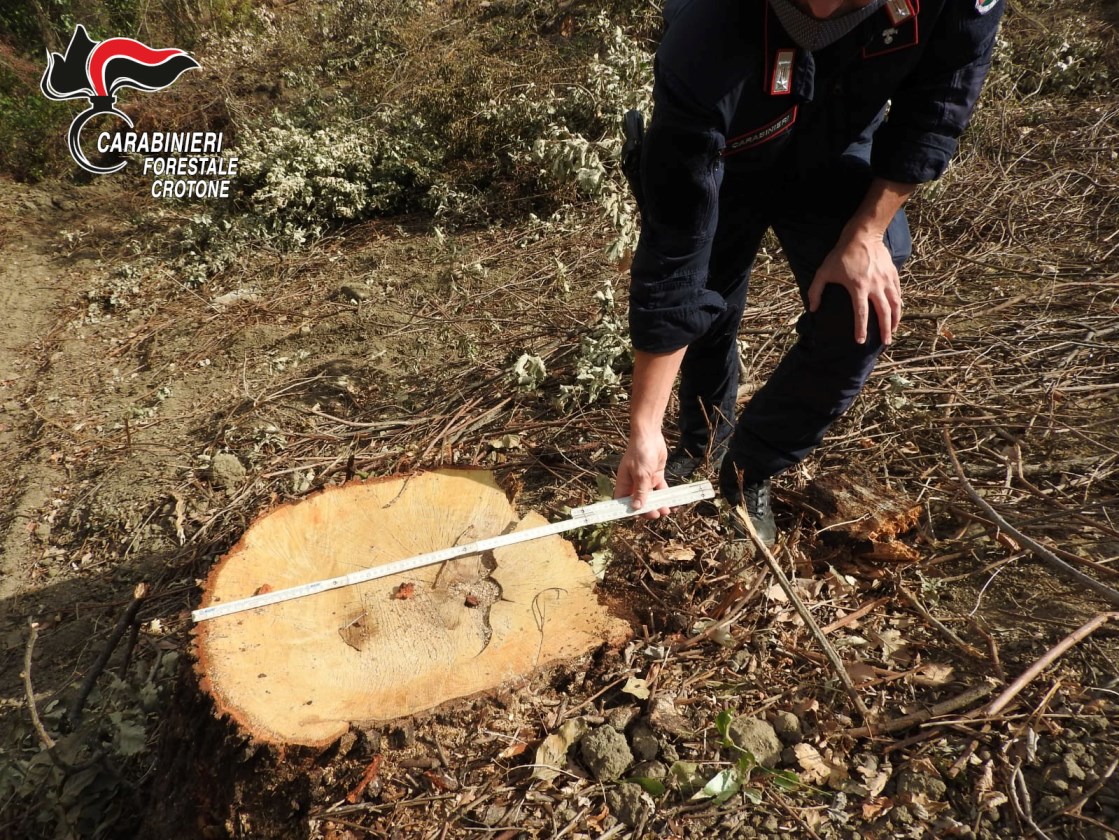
{"x": 302, "y": 671}
{"x": 859, "y": 509}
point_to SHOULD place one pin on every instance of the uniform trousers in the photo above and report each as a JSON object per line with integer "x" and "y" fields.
{"x": 823, "y": 372}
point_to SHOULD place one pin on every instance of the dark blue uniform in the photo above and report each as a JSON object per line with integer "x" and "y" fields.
{"x": 748, "y": 133}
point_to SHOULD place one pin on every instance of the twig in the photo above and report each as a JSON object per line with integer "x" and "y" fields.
{"x": 852, "y": 617}
{"x": 126, "y": 619}
{"x": 806, "y": 616}
{"x": 41, "y": 730}
{"x": 945, "y": 707}
{"x": 992, "y": 648}
{"x": 1020, "y": 799}
{"x": 939, "y": 625}
{"x": 735, "y": 611}
{"x": 1027, "y": 676}
{"x": 1074, "y": 807}
{"x": 1039, "y": 551}
{"x": 354, "y": 796}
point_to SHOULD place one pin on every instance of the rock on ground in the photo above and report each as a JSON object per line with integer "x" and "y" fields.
{"x": 758, "y": 737}
{"x": 226, "y": 470}
{"x": 606, "y": 753}
{"x": 629, "y": 803}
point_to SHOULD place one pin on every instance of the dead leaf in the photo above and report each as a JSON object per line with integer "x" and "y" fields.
{"x": 472, "y": 601}
{"x": 664, "y": 717}
{"x": 876, "y": 806}
{"x": 932, "y": 674}
{"x": 513, "y": 750}
{"x": 875, "y": 776}
{"x": 819, "y": 768}
{"x": 263, "y": 589}
{"x": 814, "y": 768}
{"x": 803, "y": 707}
{"x": 404, "y": 591}
{"x": 890, "y": 641}
{"x": 776, "y": 593}
{"x": 551, "y": 755}
{"x": 860, "y": 672}
{"x": 671, "y": 554}
{"x": 986, "y": 797}
{"x": 637, "y": 687}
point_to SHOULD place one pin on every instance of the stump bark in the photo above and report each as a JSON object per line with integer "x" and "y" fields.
{"x": 858, "y": 508}
{"x": 303, "y": 671}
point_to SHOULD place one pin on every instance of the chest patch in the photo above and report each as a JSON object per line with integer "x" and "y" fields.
{"x": 760, "y": 136}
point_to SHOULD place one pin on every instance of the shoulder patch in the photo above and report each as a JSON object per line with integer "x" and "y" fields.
{"x": 984, "y": 6}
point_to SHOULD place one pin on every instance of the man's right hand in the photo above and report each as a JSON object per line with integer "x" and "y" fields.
{"x": 642, "y": 471}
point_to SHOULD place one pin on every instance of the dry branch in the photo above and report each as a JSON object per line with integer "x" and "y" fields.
{"x": 1039, "y": 551}
{"x": 806, "y": 616}
{"x": 125, "y": 621}
{"x": 946, "y": 707}
{"x": 1027, "y": 676}
{"x": 29, "y": 689}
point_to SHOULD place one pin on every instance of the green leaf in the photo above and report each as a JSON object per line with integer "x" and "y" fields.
{"x": 786, "y": 779}
{"x": 600, "y": 560}
{"x": 653, "y": 787}
{"x": 130, "y": 738}
{"x": 746, "y": 762}
{"x": 722, "y": 786}
{"x": 753, "y": 795}
{"x": 685, "y": 775}
{"x": 723, "y": 722}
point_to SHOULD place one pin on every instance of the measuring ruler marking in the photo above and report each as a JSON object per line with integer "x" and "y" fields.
{"x": 581, "y": 517}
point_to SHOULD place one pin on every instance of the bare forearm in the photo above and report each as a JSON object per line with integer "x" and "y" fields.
{"x": 882, "y": 201}
{"x": 653, "y": 376}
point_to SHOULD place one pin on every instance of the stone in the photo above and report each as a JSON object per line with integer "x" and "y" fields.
{"x": 649, "y": 770}
{"x": 645, "y": 743}
{"x": 621, "y": 717}
{"x": 1071, "y": 769}
{"x": 226, "y": 470}
{"x": 911, "y": 781}
{"x": 758, "y": 737}
{"x": 629, "y": 803}
{"x": 787, "y": 726}
{"x": 605, "y": 753}
{"x": 355, "y": 293}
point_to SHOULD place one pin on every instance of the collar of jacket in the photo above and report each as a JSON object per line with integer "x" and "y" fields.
{"x": 810, "y": 33}
{"x": 781, "y": 53}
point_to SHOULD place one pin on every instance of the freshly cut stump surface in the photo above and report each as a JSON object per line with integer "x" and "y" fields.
{"x": 302, "y": 671}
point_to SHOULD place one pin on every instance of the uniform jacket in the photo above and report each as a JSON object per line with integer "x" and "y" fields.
{"x": 732, "y": 92}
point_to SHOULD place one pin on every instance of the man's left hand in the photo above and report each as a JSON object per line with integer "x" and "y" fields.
{"x": 861, "y": 263}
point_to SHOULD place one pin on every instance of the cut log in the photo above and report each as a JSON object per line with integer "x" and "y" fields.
{"x": 302, "y": 671}
{"x": 859, "y": 509}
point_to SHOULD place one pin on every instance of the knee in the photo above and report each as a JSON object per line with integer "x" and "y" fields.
{"x": 829, "y": 332}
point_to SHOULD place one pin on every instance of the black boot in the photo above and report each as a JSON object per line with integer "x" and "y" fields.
{"x": 756, "y": 503}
